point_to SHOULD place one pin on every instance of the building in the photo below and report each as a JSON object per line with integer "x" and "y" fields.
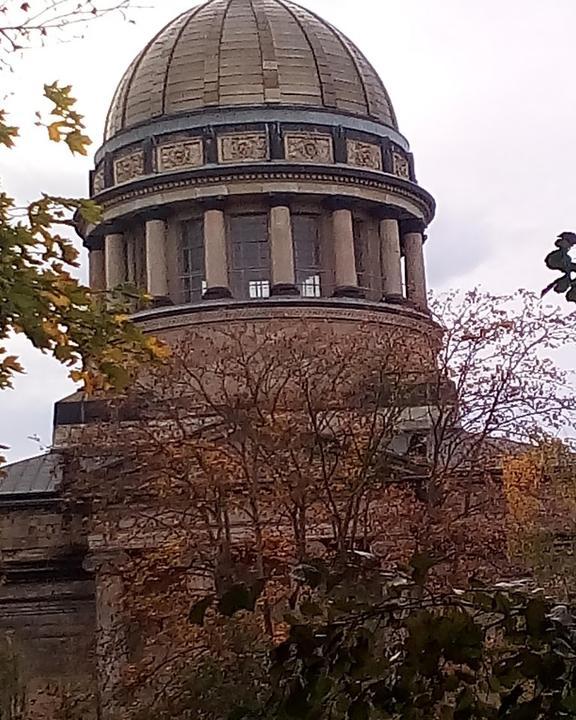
{"x": 252, "y": 172}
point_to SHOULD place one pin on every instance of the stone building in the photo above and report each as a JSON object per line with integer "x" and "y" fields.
{"x": 252, "y": 171}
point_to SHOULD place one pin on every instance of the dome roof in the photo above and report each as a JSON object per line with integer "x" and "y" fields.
{"x": 231, "y": 53}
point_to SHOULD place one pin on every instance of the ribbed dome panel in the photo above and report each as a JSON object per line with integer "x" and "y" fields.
{"x": 229, "y": 53}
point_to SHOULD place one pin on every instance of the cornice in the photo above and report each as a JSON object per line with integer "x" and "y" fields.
{"x": 154, "y": 185}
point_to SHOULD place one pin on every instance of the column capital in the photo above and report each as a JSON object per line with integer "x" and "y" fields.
{"x": 412, "y": 225}
{"x": 95, "y": 243}
{"x": 339, "y": 203}
{"x": 388, "y": 213}
{"x": 106, "y": 562}
{"x": 155, "y": 214}
{"x": 215, "y": 203}
{"x": 280, "y": 200}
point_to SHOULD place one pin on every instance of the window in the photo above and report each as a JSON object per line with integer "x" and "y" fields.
{"x": 192, "y": 261}
{"x": 250, "y": 256}
{"x": 361, "y": 252}
{"x": 135, "y": 248}
{"x": 307, "y": 255}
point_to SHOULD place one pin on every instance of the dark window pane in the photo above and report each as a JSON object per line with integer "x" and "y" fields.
{"x": 361, "y": 252}
{"x": 307, "y": 254}
{"x": 250, "y": 256}
{"x": 192, "y": 261}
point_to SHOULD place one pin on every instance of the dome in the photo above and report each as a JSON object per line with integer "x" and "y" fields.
{"x": 233, "y": 53}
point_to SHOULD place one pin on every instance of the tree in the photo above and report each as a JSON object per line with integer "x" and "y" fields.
{"x": 28, "y": 24}
{"x": 258, "y": 450}
{"x": 364, "y": 646}
{"x": 561, "y": 261}
{"x": 39, "y": 297}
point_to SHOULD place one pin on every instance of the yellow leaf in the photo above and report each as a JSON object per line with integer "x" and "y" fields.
{"x": 55, "y": 131}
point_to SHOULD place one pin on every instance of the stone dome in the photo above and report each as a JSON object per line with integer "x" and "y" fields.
{"x": 233, "y": 53}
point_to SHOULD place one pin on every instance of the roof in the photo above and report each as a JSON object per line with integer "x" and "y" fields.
{"x": 228, "y": 53}
{"x": 38, "y": 475}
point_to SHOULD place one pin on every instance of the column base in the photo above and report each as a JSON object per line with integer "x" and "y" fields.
{"x": 284, "y": 290}
{"x": 161, "y": 301}
{"x": 217, "y": 293}
{"x": 417, "y": 305}
{"x": 394, "y": 299}
{"x": 349, "y": 291}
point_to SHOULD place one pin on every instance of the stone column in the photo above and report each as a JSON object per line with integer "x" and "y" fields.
{"x": 282, "y": 251}
{"x": 216, "y": 255}
{"x": 344, "y": 256}
{"x": 156, "y": 259}
{"x": 115, "y": 261}
{"x": 391, "y": 260}
{"x": 415, "y": 269}
{"x": 111, "y": 631}
{"x": 97, "y": 268}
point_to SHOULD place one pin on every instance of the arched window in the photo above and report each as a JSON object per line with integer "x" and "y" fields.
{"x": 307, "y": 255}
{"x": 193, "y": 268}
{"x": 250, "y": 267}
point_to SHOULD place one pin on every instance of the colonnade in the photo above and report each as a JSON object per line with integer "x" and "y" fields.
{"x": 397, "y": 240}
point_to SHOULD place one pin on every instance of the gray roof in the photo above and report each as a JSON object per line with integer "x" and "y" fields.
{"x": 38, "y": 475}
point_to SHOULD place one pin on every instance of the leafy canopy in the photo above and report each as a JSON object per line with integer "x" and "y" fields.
{"x": 40, "y": 298}
{"x": 561, "y": 261}
{"x": 367, "y": 645}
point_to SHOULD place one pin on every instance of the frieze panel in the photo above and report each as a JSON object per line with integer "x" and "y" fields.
{"x": 366, "y": 155}
{"x": 309, "y": 148}
{"x": 401, "y": 166}
{"x": 129, "y": 167}
{"x": 245, "y": 147}
{"x": 180, "y": 155}
{"x": 99, "y": 181}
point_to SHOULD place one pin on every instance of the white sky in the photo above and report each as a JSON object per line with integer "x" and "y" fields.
{"x": 484, "y": 92}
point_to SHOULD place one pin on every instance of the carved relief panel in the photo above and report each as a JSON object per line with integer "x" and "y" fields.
{"x": 129, "y": 167}
{"x": 98, "y": 183}
{"x": 401, "y": 166}
{"x": 309, "y": 148}
{"x": 180, "y": 155}
{"x": 243, "y": 147}
{"x": 363, "y": 154}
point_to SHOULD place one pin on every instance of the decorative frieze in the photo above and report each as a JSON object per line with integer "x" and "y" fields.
{"x": 129, "y": 167}
{"x": 99, "y": 181}
{"x": 401, "y": 166}
{"x": 244, "y": 147}
{"x": 363, "y": 154}
{"x": 180, "y": 155}
{"x": 309, "y": 148}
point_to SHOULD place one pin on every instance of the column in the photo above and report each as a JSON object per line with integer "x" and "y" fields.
{"x": 156, "y": 259}
{"x": 415, "y": 269}
{"x": 115, "y": 261}
{"x": 216, "y": 255}
{"x": 97, "y": 268}
{"x": 391, "y": 260}
{"x": 282, "y": 251}
{"x": 111, "y": 630}
{"x": 344, "y": 256}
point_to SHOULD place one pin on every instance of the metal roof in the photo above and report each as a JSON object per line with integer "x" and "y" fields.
{"x": 234, "y": 53}
{"x": 38, "y": 475}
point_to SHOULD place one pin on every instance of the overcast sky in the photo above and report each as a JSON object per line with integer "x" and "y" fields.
{"x": 483, "y": 89}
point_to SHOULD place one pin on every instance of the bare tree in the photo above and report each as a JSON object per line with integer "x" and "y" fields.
{"x": 260, "y": 450}
{"x": 29, "y": 24}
